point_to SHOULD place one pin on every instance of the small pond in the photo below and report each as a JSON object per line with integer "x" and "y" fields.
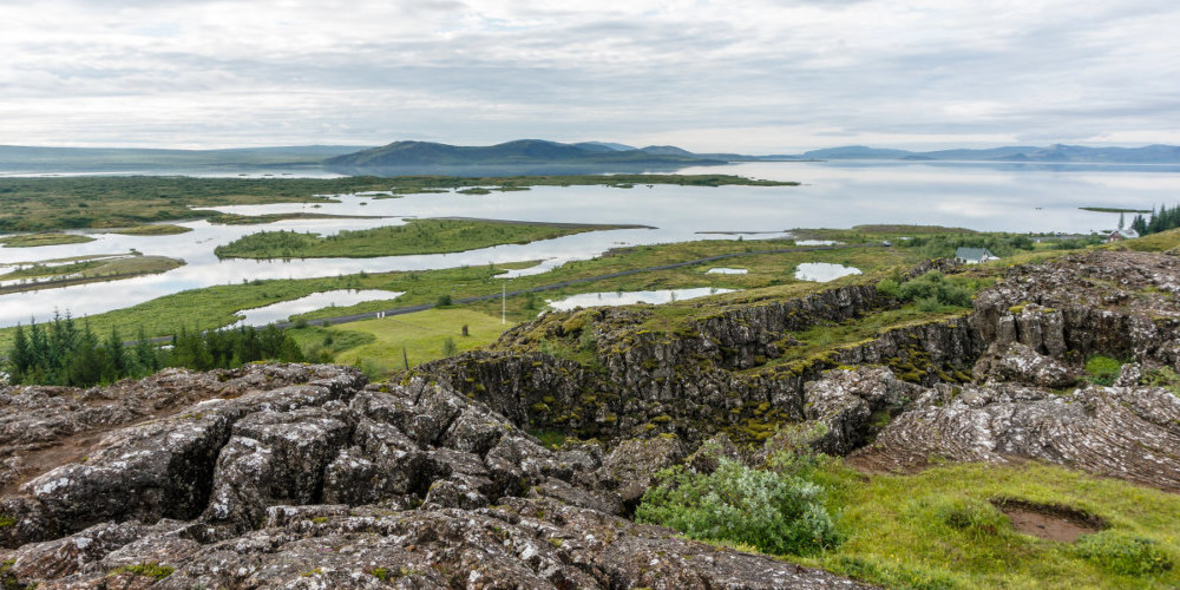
{"x": 631, "y": 297}
{"x": 282, "y": 311}
{"x": 727, "y": 271}
{"x": 822, "y": 272}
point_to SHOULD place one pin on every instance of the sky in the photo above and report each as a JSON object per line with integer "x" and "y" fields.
{"x": 749, "y": 76}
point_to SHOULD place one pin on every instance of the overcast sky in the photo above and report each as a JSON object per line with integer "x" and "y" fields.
{"x": 755, "y": 76}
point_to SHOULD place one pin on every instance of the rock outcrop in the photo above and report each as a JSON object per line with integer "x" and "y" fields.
{"x": 311, "y": 479}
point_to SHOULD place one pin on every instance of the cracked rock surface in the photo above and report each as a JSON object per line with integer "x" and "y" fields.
{"x": 308, "y": 478}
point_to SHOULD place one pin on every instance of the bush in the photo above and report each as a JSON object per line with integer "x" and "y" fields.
{"x": 1103, "y": 370}
{"x": 975, "y": 517}
{"x": 1123, "y": 554}
{"x": 443, "y": 300}
{"x": 934, "y": 290}
{"x": 775, "y": 512}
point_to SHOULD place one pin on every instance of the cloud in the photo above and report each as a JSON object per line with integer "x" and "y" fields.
{"x": 226, "y": 72}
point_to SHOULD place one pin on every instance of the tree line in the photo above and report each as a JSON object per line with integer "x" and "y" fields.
{"x": 1161, "y": 220}
{"x": 62, "y": 352}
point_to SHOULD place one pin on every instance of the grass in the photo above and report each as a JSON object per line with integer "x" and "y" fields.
{"x": 155, "y": 229}
{"x": 417, "y": 236}
{"x": 43, "y": 239}
{"x": 938, "y": 529}
{"x": 422, "y": 334}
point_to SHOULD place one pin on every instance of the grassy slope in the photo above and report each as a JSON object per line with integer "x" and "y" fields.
{"x": 417, "y": 236}
{"x": 901, "y": 529}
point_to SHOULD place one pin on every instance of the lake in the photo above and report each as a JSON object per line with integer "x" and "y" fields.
{"x": 837, "y": 194}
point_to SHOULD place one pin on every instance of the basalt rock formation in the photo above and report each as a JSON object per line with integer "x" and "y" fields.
{"x": 1003, "y": 383}
{"x": 292, "y": 476}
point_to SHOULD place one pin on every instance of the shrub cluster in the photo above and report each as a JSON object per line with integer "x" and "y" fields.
{"x": 1103, "y": 370}
{"x": 931, "y": 291}
{"x": 776, "y": 512}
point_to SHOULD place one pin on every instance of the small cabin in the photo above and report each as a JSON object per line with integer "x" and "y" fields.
{"x": 974, "y": 255}
{"x": 1121, "y": 234}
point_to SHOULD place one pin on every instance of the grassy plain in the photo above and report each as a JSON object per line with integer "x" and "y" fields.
{"x": 423, "y": 335}
{"x": 769, "y": 276}
{"x": 939, "y": 529}
{"x": 416, "y": 236}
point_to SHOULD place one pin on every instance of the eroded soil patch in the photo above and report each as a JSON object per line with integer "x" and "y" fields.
{"x": 1049, "y": 521}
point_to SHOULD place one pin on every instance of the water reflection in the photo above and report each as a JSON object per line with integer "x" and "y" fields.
{"x": 282, "y": 311}
{"x": 822, "y": 272}
{"x": 632, "y": 297}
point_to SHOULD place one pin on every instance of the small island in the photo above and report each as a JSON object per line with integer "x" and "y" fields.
{"x": 43, "y": 239}
{"x": 417, "y": 236}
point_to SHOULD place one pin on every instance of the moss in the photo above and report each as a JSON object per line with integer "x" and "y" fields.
{"x": 151, "y": 570}
{"x": 6, "y": 520}
{"x": 662, "y": 419}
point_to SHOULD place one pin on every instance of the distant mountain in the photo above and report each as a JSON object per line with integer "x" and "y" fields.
{"x": 526, "y": 156}
{"x": 856, "y": 152}
{"x": 667, "y": 150}
{"x": 61, "y": 159}
{"x": 1054, "y": 154}
{"x": 601, "y": 146}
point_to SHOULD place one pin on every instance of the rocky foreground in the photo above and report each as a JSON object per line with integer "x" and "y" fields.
{"x": 291, "y": 476}
{"x": 294, "y": 476}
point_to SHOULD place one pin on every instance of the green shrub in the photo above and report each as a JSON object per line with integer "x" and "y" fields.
{"x": 888, "y": 287}
{"x": 1103, "y": 370}
{"x": 443, "y": 300}
{"x": 1123, "y": 554}
{"x": 775, "y": 512}
{"x": 934, "y": 288}
{"x": 970, "y": 515}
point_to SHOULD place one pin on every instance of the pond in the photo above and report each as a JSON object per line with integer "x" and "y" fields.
{"x": 822, "y": 272}
{"x": 282, "y": 311}
{"x": 632, "y": 297}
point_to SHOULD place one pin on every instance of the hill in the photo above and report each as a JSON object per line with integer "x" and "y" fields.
{"x": 1057, "y": 153}
{"x": 69, "y": 159}
{"x": 526, "y": 156}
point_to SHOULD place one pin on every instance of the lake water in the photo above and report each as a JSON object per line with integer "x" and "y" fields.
{"x": 283, "y": 310}
{"x": 632, "y": 297}
{"x": 839, "y": 195}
